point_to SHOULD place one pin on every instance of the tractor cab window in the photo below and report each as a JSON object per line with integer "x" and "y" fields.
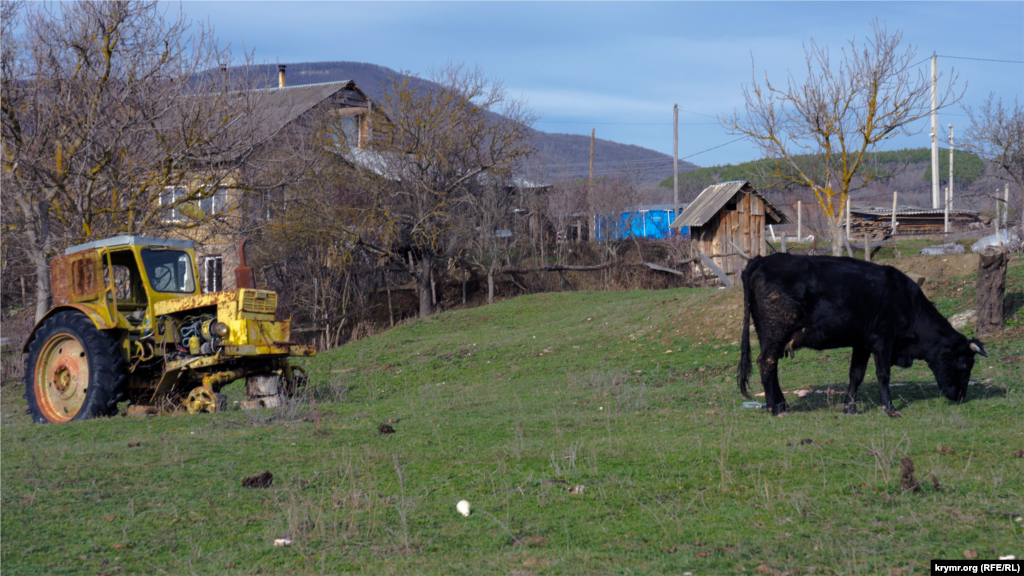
{"x": 126, "y": 278}
{"x": 169, "y": 270}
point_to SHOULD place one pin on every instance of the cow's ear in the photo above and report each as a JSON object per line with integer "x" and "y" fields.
{"x": 977, "y": 347}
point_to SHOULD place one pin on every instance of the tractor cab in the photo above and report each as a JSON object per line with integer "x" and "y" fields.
{"x": 120, "y": 279}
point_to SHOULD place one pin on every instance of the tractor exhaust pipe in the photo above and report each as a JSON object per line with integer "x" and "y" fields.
{"x": 244, "y": 276}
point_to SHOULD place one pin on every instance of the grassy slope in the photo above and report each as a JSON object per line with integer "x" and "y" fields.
{"x": 508, "y": 406}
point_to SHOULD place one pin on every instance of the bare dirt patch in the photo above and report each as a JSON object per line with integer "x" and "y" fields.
{"x": 938, "y": 267}
{"x": 716, "y": 316}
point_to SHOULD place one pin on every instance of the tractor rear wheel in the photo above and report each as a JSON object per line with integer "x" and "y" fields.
{"x": 73, "y": 371}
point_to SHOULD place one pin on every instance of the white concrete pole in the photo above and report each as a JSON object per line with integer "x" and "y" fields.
{"x": 950, "y": 195}
{"x": 935, "y": 133}
{"x": 945, "y": 213}
{"x": 799, "y": 220}
{"x": 847, "y": 216}
{"x": 1006, "y": 205}
{"x": 996, "y": 202}
{"x": 892, "y": 225}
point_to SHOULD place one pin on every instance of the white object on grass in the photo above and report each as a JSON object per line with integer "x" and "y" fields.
{"x": 282, "y": 542}
{"x": 463, "y": 507}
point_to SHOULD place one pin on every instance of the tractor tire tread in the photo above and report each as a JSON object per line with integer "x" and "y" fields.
{"x": 106, "y": 366}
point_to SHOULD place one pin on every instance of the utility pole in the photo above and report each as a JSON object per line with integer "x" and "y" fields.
{"x": 935, "y": 132}
{"x": 1006, "y": 205}
{"x": 799, "y": 220}
{"x": 892, "y": 224}
{"x": 675, "y": 161}
{"x": 590, "y": 187}
{"x": 949, "y": 188}
{"x": 945, "y": 213}
{"x": 848, "y": 216}
{"x": 995, "y": 201}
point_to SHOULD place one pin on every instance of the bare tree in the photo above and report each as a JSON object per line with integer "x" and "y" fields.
{"x": 997, "y": 135}
{"x": 104, "y": 108}
{"x": 490, "y": 231}
{"x": 432, "y": 147}
{"x": 819, "y": 131}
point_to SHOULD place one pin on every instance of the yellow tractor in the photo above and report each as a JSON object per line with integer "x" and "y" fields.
{"x": 129, "y": 323}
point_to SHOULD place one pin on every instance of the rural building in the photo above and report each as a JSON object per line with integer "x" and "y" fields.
{"x": 645, "y": 221}
{"x": 284, "y": 109}
{"x": 727, "y": 224}
{"x": 910, "y": 221}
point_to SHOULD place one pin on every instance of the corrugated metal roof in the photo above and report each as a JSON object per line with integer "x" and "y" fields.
{"x": 716, "y": 196}
{"x": 906, "y": 211}
{"x": 655, "y": 207}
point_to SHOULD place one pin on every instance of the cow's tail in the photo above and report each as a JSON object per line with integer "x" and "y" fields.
{"x": 743, "y": 370}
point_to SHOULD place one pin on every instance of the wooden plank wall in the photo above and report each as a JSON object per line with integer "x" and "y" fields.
{"x": 744, "y": 226}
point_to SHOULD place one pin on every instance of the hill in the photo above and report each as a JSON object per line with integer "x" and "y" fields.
{"x": 559, "y": 156}
{"x": 908, "y": 170}
{"x": 588, "y": 430}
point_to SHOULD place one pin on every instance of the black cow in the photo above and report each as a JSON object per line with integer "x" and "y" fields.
{"x": 824, "y": 302}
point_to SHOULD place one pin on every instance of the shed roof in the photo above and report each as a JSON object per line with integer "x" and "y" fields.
{"x": 716, "y": 196}
{"x": 882, "y": 211}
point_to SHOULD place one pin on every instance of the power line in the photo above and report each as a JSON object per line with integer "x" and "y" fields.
{"x": 611, "y": 163}
{"x": 698, "y": 113}
{"x": 627, "y": 123}
{"x": 982, "y": 59}
{"x": 921, "y": 62}
{"x": 710, "y": 149}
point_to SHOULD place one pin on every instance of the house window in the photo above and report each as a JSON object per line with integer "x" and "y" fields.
{"x": 350, "y": 126}
{"x": 215, "y": 203}
{"x": 210, "y": 269}
{"x": 168, "y": 197}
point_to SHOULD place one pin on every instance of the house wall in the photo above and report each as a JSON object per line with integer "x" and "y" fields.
{"x": 743, "y": 224}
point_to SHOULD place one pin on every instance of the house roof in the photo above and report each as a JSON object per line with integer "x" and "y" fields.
{"x": 716, "y": 196}
{"x": 281, "y": 106}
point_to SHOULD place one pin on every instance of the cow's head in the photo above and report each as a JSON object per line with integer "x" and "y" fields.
{"x": 954, "y": 370}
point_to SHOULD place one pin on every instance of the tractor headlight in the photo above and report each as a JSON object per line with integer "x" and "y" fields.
{"x": 219, "y": 329}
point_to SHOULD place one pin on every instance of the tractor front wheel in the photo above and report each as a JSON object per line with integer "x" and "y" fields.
{"x": 73, "y": 371}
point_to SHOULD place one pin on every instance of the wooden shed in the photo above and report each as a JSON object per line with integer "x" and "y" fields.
{"x": 727, "y": 219}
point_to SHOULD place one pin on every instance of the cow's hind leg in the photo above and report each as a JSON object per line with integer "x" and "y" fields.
{"x": 858, "y": 365}
{"x": 768, "y": 364}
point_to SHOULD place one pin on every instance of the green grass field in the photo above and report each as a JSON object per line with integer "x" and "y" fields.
{"x": 592, "y": 432}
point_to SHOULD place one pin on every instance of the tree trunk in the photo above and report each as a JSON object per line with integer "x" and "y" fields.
{"x": 490, "y": 285}
{"x": 989, "y": 291}
{"x": 837, "y": 239}
{"x": 42, "y": 286}
{"x": 426, "y": 265}
{"x": 39, "y": 239}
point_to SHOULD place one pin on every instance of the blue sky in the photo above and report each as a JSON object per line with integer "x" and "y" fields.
{"x": 618, "y": 67}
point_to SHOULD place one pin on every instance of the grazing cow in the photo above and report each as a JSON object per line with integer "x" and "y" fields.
{"x": 824, "y": 302}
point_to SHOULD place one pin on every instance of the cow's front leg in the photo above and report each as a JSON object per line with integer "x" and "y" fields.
{"x": 882, "y": 371}
{"x": 768, "y": 364}
{"x": 858, "y": 365}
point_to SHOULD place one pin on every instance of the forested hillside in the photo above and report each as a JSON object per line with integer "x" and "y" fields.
{"x": 967, "y": 168}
